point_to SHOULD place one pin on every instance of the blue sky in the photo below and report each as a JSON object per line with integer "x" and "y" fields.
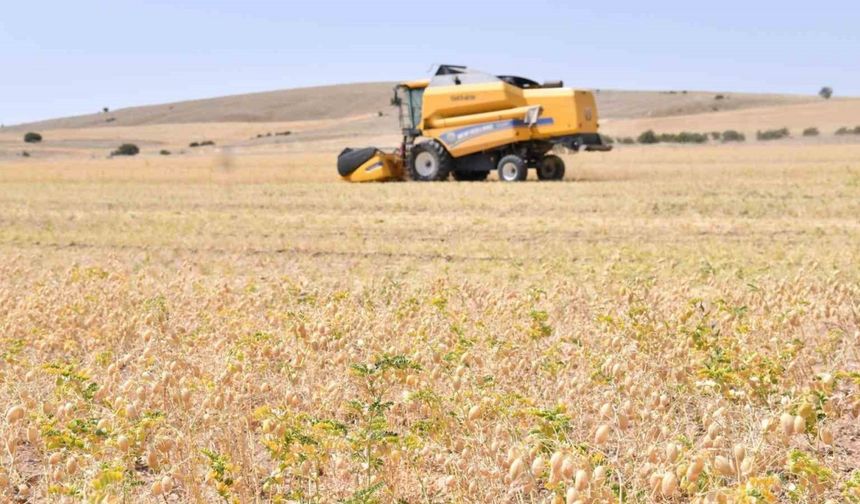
{"x": 65, "y": 57}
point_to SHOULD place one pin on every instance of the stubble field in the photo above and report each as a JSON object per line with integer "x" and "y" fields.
{"x": 668, "y": 324}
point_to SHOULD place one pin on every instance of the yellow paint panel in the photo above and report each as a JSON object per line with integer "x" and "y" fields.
{"x": 477, "y": 109}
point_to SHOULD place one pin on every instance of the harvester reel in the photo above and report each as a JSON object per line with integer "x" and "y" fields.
{"x": 429, "y": 161}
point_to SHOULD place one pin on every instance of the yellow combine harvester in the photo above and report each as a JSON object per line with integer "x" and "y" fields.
{"x": 474, "y": 123}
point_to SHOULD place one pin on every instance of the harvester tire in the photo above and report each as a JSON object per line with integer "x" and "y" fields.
{"x": 429, "y": 161}
{"x": 470, "y": 176}
{"x": 512, "y": 168}
{"x": 550, "y": 168}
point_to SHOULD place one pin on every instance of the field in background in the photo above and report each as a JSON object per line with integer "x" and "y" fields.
{"x": 66, "y": 139}
{"x": 667, "y": 324}
{"x": 329, "y": 118}
{"x": 350, "y": 100}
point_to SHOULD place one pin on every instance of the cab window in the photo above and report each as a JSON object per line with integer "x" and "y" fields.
{"x": 410, "y": 102}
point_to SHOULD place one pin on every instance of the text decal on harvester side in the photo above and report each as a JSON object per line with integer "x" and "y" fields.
{"x": 461, "y": 135}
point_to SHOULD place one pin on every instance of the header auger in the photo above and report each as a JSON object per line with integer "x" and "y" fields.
{"x": 464, "y": 123}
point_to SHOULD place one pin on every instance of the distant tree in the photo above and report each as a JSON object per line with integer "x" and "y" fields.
{"x": 32, "y": 137}
{"x": 809, "y": 132}
{"x": 683, "y": 137}
{"x": 826, "y": 92}
{"x": 648, "y": 137}
{"x": 106, "y": 110}
{"x": 164, "y": 152}
{"x": 733, "y": 136}
{"x": 690, "y": 137}
{"x": 776, "y": 134}
{"x": 126, "y": 150}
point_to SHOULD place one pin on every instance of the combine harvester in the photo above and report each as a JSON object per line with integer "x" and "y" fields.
{"x": 474, "y": 123}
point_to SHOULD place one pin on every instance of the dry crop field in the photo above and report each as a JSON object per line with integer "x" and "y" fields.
{"x": 668, "y": 325}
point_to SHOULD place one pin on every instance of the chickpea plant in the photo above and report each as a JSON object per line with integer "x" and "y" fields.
{"x": 682, "y": 328}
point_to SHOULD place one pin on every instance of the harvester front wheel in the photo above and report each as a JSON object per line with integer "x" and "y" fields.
{"x": 429, "y": 161}
{"x": 512, "y": 168}
{"x": 550, "y": 168}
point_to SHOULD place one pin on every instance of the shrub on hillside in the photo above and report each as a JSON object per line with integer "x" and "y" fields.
{"x": 648, "y": 137}
{"x": 32, "y": 137}
{"x": 810, "y": 132}
{"x": 716, "y": 135}
{"x": 733, "y": 136}
{"x": 682, "y": 137}
{"x": 204, "y": 143}
{"x": 164, "y": 152}
{"x": 126, "y": 150}
{"x": 688, "y": 137}
{"x": 848, "y": 131}
{"x": 626, "y": 141}
{"x": 776, "y": 134}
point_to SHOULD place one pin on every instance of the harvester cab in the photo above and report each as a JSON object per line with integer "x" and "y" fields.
{"x": 467, "y": 123}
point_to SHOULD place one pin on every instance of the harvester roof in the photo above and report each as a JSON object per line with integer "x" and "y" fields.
{"x": 415, "y": 84}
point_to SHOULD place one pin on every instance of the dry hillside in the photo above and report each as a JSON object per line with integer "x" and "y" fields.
{"x": 324, "y": 102}
{"x": 827, "y": 116}
{"x": 329, "y": 118}
{"x": 347, "y": 100}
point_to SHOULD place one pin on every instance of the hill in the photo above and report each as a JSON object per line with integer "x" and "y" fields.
{"x": 329, "y": 118}
{"x": 350, "y": 100}
{"x": 301, "y": 104}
